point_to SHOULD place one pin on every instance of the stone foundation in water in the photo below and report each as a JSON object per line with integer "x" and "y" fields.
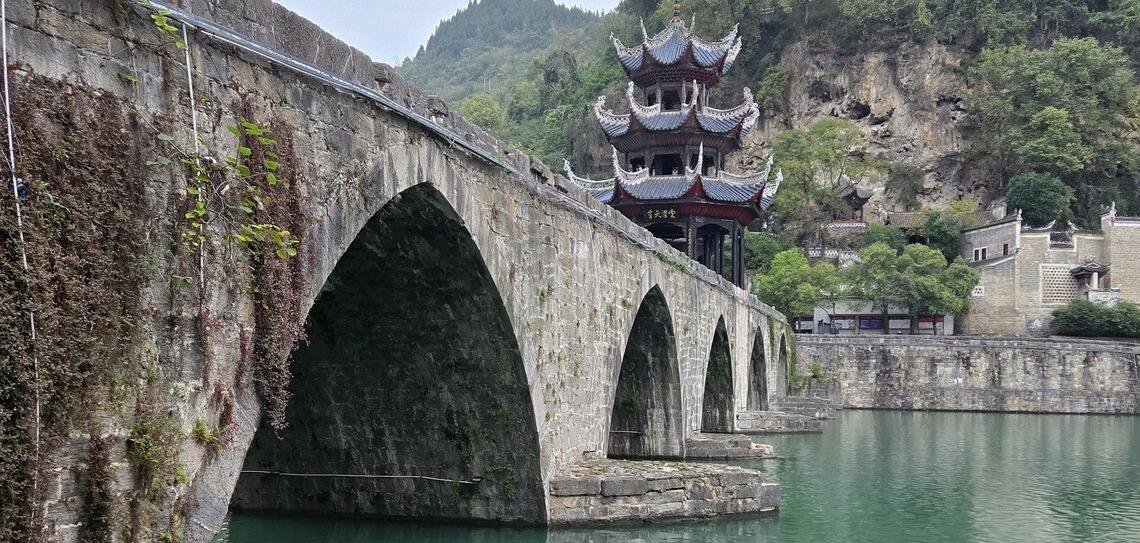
{"x": 776, "y": 422}
{"x": 602, "y": 491}
{"x": 725, "y": 446}
{"x": 808, "y": 406}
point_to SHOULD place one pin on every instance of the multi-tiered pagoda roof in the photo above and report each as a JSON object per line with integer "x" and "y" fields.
{"x": 669, "y": 149}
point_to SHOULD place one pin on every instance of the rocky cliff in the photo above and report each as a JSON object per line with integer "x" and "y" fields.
{"x": 907, "y": 102}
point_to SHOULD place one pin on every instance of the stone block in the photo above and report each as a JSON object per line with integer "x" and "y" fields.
{"x": 746, "y": 491}
{"x": 740, "y": 478}
{"x": 624, "y": 486}
{"x": 661, "y": 485}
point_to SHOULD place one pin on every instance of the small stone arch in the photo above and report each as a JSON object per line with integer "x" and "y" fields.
{"x": 645, "y": 418}
{"x": 718, "y": 397}
{"x": 758, "y": 374}
{"x": 410, "y": 398}
{"x": 782, "y": 383}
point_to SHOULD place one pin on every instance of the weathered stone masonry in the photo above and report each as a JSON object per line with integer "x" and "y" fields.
{"x": 566, "y": 274}
{"x": 1054, "y": 375}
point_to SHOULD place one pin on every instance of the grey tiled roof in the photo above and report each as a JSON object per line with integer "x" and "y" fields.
{"x": 720, "y": 121}
{"x": 723, "y": 187}
{"x": 671, "y": 44}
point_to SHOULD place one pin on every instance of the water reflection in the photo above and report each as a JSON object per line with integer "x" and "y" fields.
{"x": 874, "y": 477}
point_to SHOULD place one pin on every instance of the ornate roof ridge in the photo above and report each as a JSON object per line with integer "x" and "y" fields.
{"x": 672, "y": 42}
{"x": 654, "y": 118}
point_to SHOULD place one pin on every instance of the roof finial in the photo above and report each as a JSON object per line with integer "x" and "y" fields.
{"x": 677, "y": 10}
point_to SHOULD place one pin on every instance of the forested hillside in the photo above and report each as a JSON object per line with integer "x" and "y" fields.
{"x": 940, "y": 104}
{"x": 489, "y": 45}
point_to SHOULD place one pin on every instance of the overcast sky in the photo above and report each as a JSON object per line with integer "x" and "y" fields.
{"x": 389, "y": 30}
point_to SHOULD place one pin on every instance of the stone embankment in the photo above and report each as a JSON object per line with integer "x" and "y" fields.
{"x": 1042, "y": 375}
{"x": 776, "y": 422}
{"x": 634, "y": 491}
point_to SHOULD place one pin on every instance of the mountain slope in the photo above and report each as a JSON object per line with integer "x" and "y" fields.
{"x": 490, "y": 44}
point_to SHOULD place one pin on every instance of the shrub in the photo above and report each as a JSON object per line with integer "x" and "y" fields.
{"x": 1088, "y": 319}
{"x": 885, "y": 233}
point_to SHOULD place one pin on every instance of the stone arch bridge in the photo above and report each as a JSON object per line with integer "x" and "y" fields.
{"x": 472, "y": 319}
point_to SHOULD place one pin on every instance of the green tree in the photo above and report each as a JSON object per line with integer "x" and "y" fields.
{"x": 892, "y": 236}
{"x": 943, "y": 233}
{"x": 876, "y": 278}
{"x": 760, "y": 249}
{"x": 928, "y": 286}
{"x": 794, "y": 286}
{"x": 1069, "y": 109}
{"x": 814, "y": 160}
{"x": 483, "y": 110}
{"x": 1041, "y": 198}
{"x": 1049, "y": 143}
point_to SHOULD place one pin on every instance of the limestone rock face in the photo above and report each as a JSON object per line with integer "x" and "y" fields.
{"x": 907, "y": 101}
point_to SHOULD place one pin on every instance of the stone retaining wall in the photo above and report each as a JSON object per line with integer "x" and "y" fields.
{"x": 1048, "y": 375}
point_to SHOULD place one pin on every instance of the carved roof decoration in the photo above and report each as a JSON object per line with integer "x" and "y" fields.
{"x": 677, "y": 42}
{"x": 652, "y": 118}
{"x": 1089, "y": 267}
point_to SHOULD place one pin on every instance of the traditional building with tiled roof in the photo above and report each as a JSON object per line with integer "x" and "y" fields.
{"x": 669, "y": 150}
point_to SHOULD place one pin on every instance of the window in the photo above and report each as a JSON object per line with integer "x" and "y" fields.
{"x": 670, "y": 100}
{"x": 980, "y": 254}
{"x": 1005, "y": 249}
{"x": 636, "y": 163}
{"x": 650, "y": 98}
{"x": 1057, "y": 284}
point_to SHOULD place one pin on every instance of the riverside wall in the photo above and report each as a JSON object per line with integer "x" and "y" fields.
{"x": 1041, "y": 375}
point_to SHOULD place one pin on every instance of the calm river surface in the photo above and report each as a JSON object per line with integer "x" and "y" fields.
{"x": 875, "y": 476}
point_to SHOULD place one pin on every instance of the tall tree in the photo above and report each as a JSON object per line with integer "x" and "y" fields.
{"x": 794, "y": 286}
{"x": 1041, "y": 198}
{"x": 815, "y": 160}
{"x": 876, "y": 278}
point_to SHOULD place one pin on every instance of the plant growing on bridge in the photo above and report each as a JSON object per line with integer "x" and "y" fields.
{"x": 229, "y": 193}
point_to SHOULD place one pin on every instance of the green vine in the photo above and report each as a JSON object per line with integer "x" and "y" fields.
{"x": 212, "y": 182}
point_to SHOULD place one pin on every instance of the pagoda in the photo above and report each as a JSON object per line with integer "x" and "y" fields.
{"x": 669, "y": 150}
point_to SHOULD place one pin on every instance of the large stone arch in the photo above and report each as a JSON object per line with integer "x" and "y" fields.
{"x": 646, "y": 418}
{"x": 718, "y": 398}
{"x": 411, "y": 396}
{"x": 758, "y": 374}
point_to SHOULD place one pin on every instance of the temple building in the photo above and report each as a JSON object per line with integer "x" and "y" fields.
{"x": 669, "y": 150}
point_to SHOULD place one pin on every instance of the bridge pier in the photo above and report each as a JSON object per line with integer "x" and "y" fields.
{"x": 618, "y": 491}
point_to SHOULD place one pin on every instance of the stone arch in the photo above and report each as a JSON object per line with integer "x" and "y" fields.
{"x": 412, "y": 372}
{"x": 782, "y": 383}
{"x": 758, "y": 374}
{"x": 717, "y": 403}
{"x": 646, "y": 419}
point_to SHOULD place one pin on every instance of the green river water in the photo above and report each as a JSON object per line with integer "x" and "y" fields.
{"x": 874, "y": 476}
